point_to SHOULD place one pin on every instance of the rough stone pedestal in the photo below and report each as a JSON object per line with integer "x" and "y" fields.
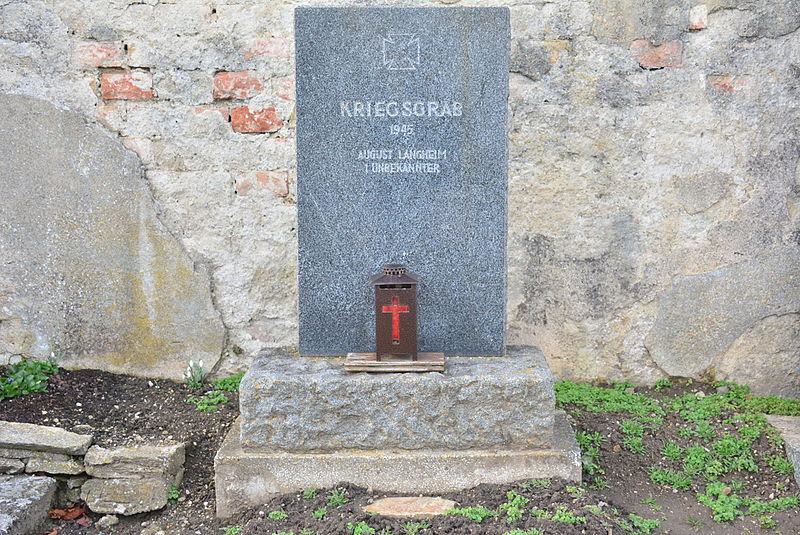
{"x": 308, "y": 423}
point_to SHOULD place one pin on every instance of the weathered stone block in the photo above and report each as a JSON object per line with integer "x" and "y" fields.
{"x": 68, "y": 467}
{"x": 125, "y": 496}
{"x": 248, "y": 478}
{"x": 136, "y": 462}
{"x": 11, "y": 466}
{"x": 22, "y": 436}
{"x": 24, "y": 503}
{"x": 255, "y": 121}
{"x": 305, "y": 405}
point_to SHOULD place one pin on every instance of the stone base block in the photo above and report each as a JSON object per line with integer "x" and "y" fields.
{"x": 313, "y": 405}
{"x": 24, "y": 503}
{"x": 248, "y": 478}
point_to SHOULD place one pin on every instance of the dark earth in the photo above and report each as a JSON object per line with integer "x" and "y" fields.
{"x": 123, "y": 409}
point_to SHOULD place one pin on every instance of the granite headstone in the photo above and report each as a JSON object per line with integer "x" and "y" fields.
{"x": 402, "y": 158}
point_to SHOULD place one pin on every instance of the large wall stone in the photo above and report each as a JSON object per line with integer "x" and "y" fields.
{"x": 646, "y": 159}
{"x": 89, "y": 273}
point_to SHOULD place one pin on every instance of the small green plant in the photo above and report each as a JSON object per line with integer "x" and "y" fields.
{"x": 414, "y": 528}
{"x": 173, "y": 494}
{"x": 307, "y": 532}
{"x": 685, "y": 432}
{"x": 724, "y": 504}
{"x": 319, "y": 514}
{"x": 362, "y": 528}
{"x": 514, "y": 506}
{"x": 575, "y": 492}
{"x": 598, "y": 483}
{"x": 767, "y": 522}
{"x": 705, "y": 431}
{"x": 637, "y": 525}
{"x": 596, "y": 399}
{"x": 209, "y": 402}
{"x": 694, "y": 521}
{"x": 236, "y": 350}
{"x": 594, "y": 509}
{"x": 541, "y": 513}
{"x": 650, "y": 501}
{"x": 476, "y": 514}
{"x": 26, "y": 377}
{"x": 661, "y": 384}
{"x": 772, "y": 405}
{"x": 310, "y": 493}
{"x": 536, "y": 484}
{"x": 277, "y": 515}
{"x": 233, "y": 530}
{"x": 672, "y": 451}
{"x": 670, "y": 478}
{"x": 229, "y": 384}
{"x": 590, "y": 451}
{"x": 195, "y": 374}
{"x": 532, "y": 531}
{"x": 564, "y": 515}
{"x": 337, "y": 498}
{"x": 780, "y": 465}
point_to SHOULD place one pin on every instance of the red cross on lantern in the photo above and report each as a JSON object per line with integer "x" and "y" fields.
{"x": 395, "y": 312}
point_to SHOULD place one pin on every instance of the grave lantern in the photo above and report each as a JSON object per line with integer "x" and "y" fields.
{"x": 395, "y": 312}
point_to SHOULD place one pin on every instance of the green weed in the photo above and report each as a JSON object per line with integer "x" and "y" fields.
{"x": 233, "y": 530}
{"x": 319, "y": 514}
{"x": 209, "y": 402}
{"x": 773, "y": 405}
{"x": 514, "y": 506}
{"x": 229, "y": 384}
{"x": 476, "y": 514}
{"x": 724, "y": 507}
{"x": 536, "y": 484}
{"x": 637, "y": 525}
{"x": 310, "y": 493}
{"x": 650, "y": 501}
{"x": 413, "y": 528}
{"x": 670, "y": 478}
{"x": 661, "y": 384}
{"x": 361, "y": 528}
{"x": 173, "y": 494}
{"x": 597, "y": 399}
{"x": 26, "y": 377}
{"x": 590, "y": 451}
{"x": 564, "y": 515}
{"x": 277, "y": 515}
{"x": 672, "y": 451}
{"x": 780, "y": 465}
{"x": 532, "y": 531}
{"x": 766, "y": 522}
{"x": 337, "y": 498}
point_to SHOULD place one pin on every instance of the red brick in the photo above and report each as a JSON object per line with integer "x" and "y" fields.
{"x": 275, "y": 181}
{"x": 246, "y": 120}
{"x": 236, "y": 85}
{"x": 274, "y": 47}
{"x": 284, "y": 87}
{"x": 99, "y": 54}
{"x": 727, "y": 82}
{"x": 128, "y": 85}
{"x": 669, "y": 54}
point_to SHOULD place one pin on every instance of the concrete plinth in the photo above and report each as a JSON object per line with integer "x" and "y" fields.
{"x": 248, "y": 478}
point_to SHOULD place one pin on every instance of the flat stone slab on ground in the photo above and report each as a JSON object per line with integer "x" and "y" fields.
{"x": 24, "y": 503}
{"x": 789, "y": 428}
{"x": 313, "y": 405}
{"x": 136, "y": 462}
{"x": 14, "y": 435}
{"x": 125, "y": 496}
{"x": 248, "y": 478}
{"x": 410, "y": 506}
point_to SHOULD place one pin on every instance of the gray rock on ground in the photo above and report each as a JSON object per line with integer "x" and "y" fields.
{"x": 22, "y": 436}
{"x": 24, "y": 503}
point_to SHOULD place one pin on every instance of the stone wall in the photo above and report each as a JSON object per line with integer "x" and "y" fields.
{"x": 654, "y": 195}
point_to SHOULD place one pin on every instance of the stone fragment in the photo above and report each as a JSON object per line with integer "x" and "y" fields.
{"x": 253, "y": 121}
{"x": 129, "y": 85}
{"x": 228, "y": 85}
{"x": 138, "y": 303}
{"x": 275, "y": 181}
{"x": 275, "y": 47}
{"x": 136, "y": 462}
{"x": 11, "y": 466}
{"x": 24, "y": 503}
{"x": 67, "y": 467}
{"x": 76, "y": 482}
{"x": 285, "y": 87}
{"x": 309, "y": 405}
{"x": 698, "y": 17}
{"x": 650, "y": 56}
{"x": 99, "y": 54}
{"x": 789, "y": 428}
{"x": 125, "y": 496}
{"x": 22, "y": 436}
{"x": 410, "y": 506}
{"x": 107, "y": 521}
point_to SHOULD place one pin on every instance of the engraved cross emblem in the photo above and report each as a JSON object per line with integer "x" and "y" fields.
{"x": 401, "y": 51}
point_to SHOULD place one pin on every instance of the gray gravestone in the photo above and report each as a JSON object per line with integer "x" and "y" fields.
{"x": 402, "y": 158}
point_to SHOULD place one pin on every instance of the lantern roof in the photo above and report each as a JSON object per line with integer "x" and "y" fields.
{"x": 393, "y": 274}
